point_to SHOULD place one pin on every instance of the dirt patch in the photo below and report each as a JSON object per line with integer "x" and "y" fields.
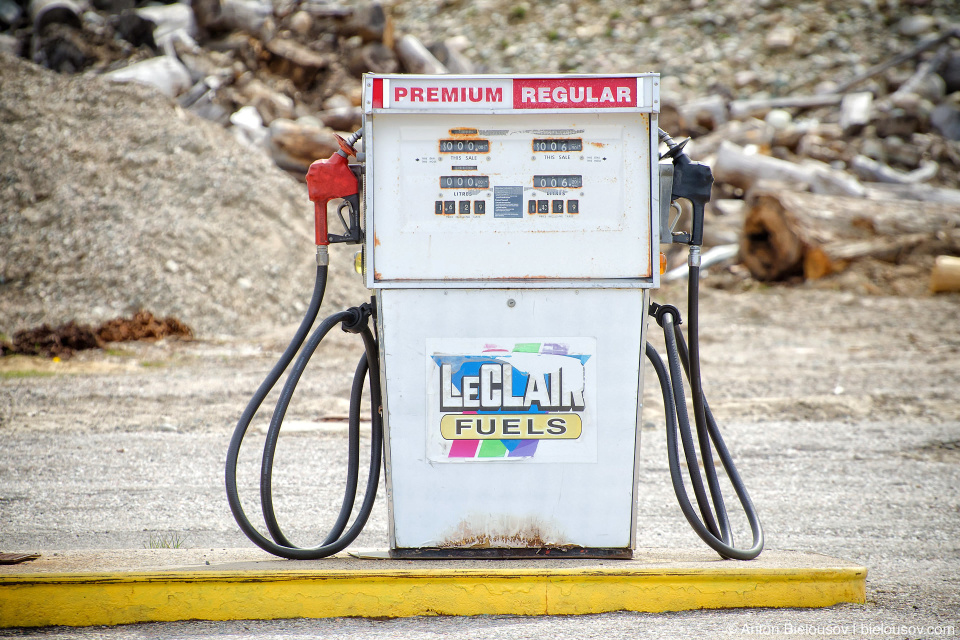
{"x": 941, "y": 451}
{"x": 66, "y": 339}
{"x": 142, "y": 326}
{"x": 60, "y": 342}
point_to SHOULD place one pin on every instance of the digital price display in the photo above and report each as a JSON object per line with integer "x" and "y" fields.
{"x": 464, "y": 182}
{"x": 464, "y": 146}
{"x": 557, "y": 182}
{"x": 557, "y": 144}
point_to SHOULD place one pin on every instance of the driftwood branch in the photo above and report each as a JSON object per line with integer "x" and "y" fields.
{"x": 926, "y": 45}
{"x": 754, "y": 107}
{"x": 924, "y": 69}
{"x": 920, "y": 192}
{"x": 869, "y": 169}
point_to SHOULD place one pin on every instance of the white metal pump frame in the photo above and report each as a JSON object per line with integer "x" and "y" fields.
{"x": 455, "y": 284}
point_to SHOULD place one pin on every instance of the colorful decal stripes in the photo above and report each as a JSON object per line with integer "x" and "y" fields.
{"x": 469, "y": 365}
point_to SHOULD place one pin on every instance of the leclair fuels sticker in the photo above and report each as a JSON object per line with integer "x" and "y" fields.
{"x": 511, "y": 399}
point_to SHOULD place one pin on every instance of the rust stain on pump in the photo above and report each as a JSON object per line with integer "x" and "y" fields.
{"x": 517, "y": 532}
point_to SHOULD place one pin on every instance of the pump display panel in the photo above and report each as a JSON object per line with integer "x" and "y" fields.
{"x": 516, "y": 192}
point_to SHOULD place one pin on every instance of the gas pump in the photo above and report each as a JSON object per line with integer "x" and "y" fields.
{"x": 510, "y": 233}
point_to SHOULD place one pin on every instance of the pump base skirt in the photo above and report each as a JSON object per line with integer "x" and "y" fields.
{"x": 525, "y": 553}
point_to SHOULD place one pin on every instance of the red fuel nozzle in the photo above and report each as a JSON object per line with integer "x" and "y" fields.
{"x": 328, "y": 180}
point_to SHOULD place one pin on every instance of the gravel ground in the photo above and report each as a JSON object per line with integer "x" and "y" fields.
{"x": 841, "y": 412}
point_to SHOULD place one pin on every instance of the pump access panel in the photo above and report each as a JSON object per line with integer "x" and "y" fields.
{"x": 485, "y": 180}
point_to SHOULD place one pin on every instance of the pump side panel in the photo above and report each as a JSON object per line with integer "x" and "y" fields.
{"x": 527, "y": 436}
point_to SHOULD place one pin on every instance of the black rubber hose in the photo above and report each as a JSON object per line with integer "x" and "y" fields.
{"x": 273, "y": 434}
{"x": 673, "y": 399}
{"x": 683, "y": 422}
{"x": 673, "y": 455}
{"x": 233, "y": 451}
{"x": 367, "y": 368}
{"x": 692, "y": 367}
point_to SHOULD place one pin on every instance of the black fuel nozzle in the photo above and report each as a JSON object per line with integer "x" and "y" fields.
{"x": 352, "y": 233}
{"x": 691, "y": 180}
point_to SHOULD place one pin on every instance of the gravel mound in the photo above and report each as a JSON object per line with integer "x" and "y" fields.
{"x": 113, "y": 199}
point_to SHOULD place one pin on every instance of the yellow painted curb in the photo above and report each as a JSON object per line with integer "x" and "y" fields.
{"x": 83, "y": 599}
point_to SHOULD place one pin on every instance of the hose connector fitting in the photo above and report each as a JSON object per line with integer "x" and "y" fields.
{"x": 693, "y": 259}
{"x": 323, "y": 255}
{"x": 359, "y": 316}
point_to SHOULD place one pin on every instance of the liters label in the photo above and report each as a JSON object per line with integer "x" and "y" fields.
{"x": 559, "y": 426}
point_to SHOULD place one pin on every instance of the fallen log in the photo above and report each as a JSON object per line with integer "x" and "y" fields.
{"x": 342, "y": 118}
{"x": 416, "y": 58}
{"x": 741, "y": 169}
{"x": 295, "y": 145}
{"x": 706, "y": 113}
{"x": 289, "y": 58}
{"x": 450, "y": 54}
{"x": 789, "y": 233}
{"x": 926, "y": 72}
{"x": 217, "y": 16}
{"x": 373, "y": 57}
{"x": 371, "y": 22}
{"x": 169, "y": 19}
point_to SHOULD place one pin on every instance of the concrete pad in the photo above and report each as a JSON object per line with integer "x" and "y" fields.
{"x": 107, "y": 587}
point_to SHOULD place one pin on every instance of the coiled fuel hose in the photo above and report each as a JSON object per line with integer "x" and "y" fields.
{"x": 712, "y": 525}
{"x": 353, "y": 320}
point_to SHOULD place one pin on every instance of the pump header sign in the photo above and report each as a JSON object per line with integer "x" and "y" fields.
{"x": 419, "y": 93}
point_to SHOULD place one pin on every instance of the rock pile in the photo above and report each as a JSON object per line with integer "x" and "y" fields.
{"x": 113, "y": 199}
{"x": 283, "y": 77}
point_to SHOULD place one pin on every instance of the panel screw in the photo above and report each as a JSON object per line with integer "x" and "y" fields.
{"x": 511, "y": 303}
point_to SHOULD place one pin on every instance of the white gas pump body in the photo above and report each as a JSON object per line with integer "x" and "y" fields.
{"x": 512, "y": 237}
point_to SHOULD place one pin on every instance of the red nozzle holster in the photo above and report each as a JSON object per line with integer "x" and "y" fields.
{"x": 328, "y": 180}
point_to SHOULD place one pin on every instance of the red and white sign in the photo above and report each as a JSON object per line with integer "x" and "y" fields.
{"x": 574, "y": 93}
{"x": 454, "y": 93}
